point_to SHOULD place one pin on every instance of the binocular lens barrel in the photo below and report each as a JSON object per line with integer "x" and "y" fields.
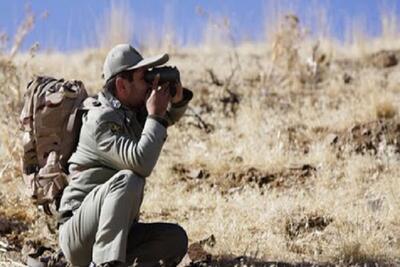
{"x": 167, "y": 74}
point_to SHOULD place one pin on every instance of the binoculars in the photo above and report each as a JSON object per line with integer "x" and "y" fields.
{"x": 167, "y": 74}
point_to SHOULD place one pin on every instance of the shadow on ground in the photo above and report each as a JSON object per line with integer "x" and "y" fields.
{"x": 231, "y": 260}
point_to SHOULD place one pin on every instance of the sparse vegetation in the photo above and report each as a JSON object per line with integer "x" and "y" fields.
{"x": 291, "y": 157}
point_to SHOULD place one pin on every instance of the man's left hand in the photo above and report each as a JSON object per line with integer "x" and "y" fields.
{"x": 179, "y": 94}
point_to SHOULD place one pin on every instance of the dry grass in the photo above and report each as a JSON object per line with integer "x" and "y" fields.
{"x": 285, "y": 158}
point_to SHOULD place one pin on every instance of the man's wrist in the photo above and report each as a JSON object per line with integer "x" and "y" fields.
{"x": 187, "y": 95}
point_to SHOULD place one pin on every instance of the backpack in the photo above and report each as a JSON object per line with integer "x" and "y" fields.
{"x": 51, "y": 122}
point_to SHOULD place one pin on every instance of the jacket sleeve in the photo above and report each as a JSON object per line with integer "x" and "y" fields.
{"x": 176, "y": 111}
{"x": 117, "y": 150}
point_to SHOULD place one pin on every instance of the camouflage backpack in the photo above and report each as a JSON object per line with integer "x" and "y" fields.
{"x": 51, "y": 121}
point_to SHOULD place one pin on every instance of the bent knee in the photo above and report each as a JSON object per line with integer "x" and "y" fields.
{"x": 129, "y": 180}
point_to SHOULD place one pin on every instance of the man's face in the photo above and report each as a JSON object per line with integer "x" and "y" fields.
{"x": 136, "y": 91}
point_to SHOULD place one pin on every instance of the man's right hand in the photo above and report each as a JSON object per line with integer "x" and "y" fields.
{"x": 159, "y": 98}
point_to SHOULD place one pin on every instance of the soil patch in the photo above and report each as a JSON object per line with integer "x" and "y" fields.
{"x": 297, "y": 227}
{"x": 369, "y": 137}
{"x": 383, "y": 59}
{"x": 233, "y": 180}
{"x": 11, "y": 228}
{"x": 190, "y": 172}
{"x": 234, "y": 260}
{"x": 380, "y": 60}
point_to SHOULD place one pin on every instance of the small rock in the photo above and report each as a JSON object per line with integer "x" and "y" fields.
{"x": 209, "y": 241}
{"x": 347, "y": 78}
{"x": 197, "y": 253}
{"x": 197, "y": 174}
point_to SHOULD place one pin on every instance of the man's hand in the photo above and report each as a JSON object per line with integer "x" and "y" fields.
{"x": 159, "y": 98}
{"x": 178, "y": 95}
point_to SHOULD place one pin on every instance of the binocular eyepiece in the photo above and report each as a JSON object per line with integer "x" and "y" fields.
{"x": 167, "y": 74}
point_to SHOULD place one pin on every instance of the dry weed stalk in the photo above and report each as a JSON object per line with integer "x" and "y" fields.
{"x": 287, "y": 64}
{"x": 315, "y": 68}
{"x": 23, "y": 30}
{"x": 10, "y": 82}
{"x": 12, "y": 78}
{"x": 225, "y": 29}
{"x": 116, "y": 27}
{"x": 286, "y": 43}
{"x": 228, "y": 96}
{"x": 3, "y": 42}
{"x": 10, "y": 75}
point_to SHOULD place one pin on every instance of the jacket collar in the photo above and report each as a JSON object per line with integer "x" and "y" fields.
{"x": 108, "y": 99}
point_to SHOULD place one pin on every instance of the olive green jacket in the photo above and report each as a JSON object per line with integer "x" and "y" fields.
{"x": 114, "y": 138}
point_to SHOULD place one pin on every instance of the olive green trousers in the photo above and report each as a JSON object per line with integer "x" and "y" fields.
{"x": 105, "y": 228}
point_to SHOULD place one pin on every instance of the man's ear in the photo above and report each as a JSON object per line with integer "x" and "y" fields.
{"x": 119, "y": 86}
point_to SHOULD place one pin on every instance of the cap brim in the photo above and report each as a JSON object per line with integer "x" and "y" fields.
{"x": 151, "y": 62}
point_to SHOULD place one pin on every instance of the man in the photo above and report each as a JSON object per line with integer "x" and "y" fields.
{"x": 120, "y": 141}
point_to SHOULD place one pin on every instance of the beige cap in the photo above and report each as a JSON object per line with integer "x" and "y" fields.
{"x": 124, "y": 57}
